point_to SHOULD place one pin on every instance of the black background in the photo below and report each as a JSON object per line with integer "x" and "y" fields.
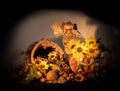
{"x": 12, "y": 12}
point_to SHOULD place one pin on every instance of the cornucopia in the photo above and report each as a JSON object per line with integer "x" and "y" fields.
{"x": 47, "y": 62}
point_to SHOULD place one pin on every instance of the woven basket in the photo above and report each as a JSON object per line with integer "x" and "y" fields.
{"x": 47, "y": 43}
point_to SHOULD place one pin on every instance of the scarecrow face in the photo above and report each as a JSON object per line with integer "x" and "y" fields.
{"x": 68, "y": 27}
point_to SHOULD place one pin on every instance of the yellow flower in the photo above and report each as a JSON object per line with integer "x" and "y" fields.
{"x": 52, "y": 55}
{"x": 79, "y": 50}
{"x": 44, "y": 65}
{"x": 41, "y": 63}
{"x": 37, "y": 61}
{"x": 93, "y": 51}
{"x": 90, "y": 40}
{"x": 70, "y": 45}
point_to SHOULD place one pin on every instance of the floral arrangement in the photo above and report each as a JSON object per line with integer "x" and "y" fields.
{"x": 80, "y": 59}
{"x": 85, "y": 54}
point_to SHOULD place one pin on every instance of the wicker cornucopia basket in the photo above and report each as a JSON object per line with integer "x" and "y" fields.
{"x": 46, "y": 60}
{"x": 46, "y": 47}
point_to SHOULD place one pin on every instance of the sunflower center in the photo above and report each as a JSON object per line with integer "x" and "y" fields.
{"x": 72, "y": 46}
{"x": 91, "y": 42}
{"x": 91, "y": 50}
{"x": 37, "y": 62}
{"x": 79, "y": 49}
{"x": 52, "y": 56}
{"x": 42, "y": 66}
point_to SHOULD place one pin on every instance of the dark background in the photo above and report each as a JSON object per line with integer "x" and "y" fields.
{"x": 12, "y": 12}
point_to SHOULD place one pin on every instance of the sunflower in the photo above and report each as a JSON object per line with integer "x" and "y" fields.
{"x": 37, "y": 61}
{"x": 93, "y": 51}
{"x": 90, "y": 40}
{"x": 52, "y": 55}
{"x": 41, "y": 63}
{"x": 79, "y": 50}
{"x": 70, "y": 45}
{"x": 44, "y": 65}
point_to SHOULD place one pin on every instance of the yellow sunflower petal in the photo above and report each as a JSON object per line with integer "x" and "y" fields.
{"x": 52, "y": 55}
{"x": 79, "y": 50}
{"x": 45, "y": 65}
{"x": 94, "y": 46}
{"x": 70, "y": 45}
{"x": 90, "y": 40}
{"x": 93, "y": 51}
